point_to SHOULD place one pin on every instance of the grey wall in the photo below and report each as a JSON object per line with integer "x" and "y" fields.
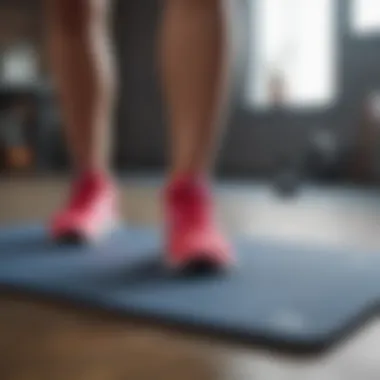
{"x": 141, "y": 136}
{"x": 254, "y": 142}
{"x": 140, "y": 122}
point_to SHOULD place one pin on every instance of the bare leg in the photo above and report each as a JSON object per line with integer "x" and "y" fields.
{"x": 83, "y": 71}
{"x": 194, "y": 63}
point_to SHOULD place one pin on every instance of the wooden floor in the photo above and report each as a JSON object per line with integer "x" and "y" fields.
{"x": 45, "y": 341}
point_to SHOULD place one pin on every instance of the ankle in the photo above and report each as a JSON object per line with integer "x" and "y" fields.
{"x": 186, "y": 181}
{"x": 93, "y": 175}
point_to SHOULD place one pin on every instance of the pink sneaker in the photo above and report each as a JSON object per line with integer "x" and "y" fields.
{"x": 90, "y": 213}
{"x": 193, "y": 238}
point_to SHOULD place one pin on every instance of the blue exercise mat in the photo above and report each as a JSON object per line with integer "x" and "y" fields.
{"x": 294, "y": 297}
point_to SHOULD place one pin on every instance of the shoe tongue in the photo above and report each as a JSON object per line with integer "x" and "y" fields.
{"x": 189, "y": 201}
{"x": 189, "y": 192}
{"x": 85, "y": 187}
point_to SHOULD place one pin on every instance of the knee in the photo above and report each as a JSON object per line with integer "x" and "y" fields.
{"x": 74, "y": 16}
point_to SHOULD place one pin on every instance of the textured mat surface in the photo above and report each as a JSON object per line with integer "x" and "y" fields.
{"x": 294, "y": 297}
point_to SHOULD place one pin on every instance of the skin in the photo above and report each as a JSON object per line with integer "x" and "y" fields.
{"x": 193, "y": 62}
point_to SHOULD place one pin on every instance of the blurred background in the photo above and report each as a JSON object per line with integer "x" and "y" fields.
{"x": 304, "y": 122}
{"x": 305, "y": 99}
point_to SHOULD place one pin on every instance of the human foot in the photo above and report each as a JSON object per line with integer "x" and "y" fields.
{"x": 90, "y": 213}
{"x": 193, "y": 238}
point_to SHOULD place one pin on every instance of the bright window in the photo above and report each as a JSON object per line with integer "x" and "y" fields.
{"x": 365, "y": 16}
{"x": 293, "y": 46}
